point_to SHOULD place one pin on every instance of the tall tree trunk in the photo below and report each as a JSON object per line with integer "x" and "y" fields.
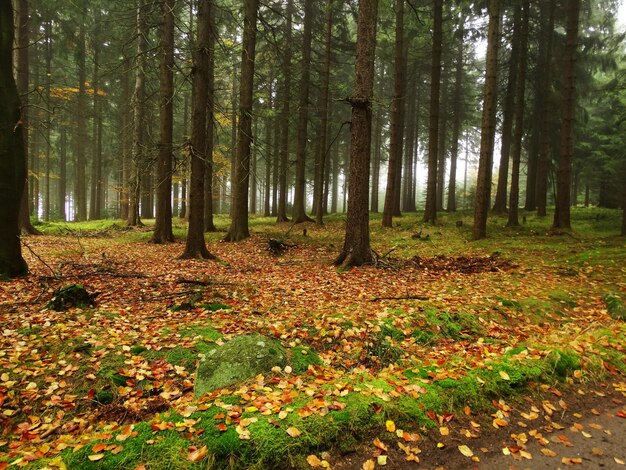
{"x": 269, "y": 151}
{"x": 80, "y": 186}
{"x": 483, "y": 184}
{"x": 299, "y": 200}
{"x": 281, "y": 216}
{"x": 138, "y": 105}
{"x": 408, "y": 202}
{"x": 276, "y": 165}
{"x": 163, "y": 224}
{"x": 209, "y": 225}
{"x": 126, "y": 123}
{"x": 378, "y": 139}
{"x": 195, "y": 246}
{"x": 430, "y": 212}
{"x": 96, "y": 149}
{"x": 12, "y": 154}
{"x": 443, "y": 132}
{"x": 499, "y": 205}
{"x": 239, "y": 225}
{"x": 458, "y": 110}
{"x": 544, "y": 97}
{"x": 335, "y": 187}
{"x": 564, "y": 172}
{"x": 23, "y": 89}
{"x": 62, "y": 186}
{"x": 356, "y": 248}
{"x": 253, "y": 169}
{"x": 47, "y": 87}
{"x": 520, "y": 89}
{"x": 320, "y": 169}
{"x": 397, "y": 118}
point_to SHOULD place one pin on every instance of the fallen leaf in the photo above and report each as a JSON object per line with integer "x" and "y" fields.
{"x": 381, "y": 460}
{"x": 390, "y": 425}
{"x": 95, "y": 457}
{"x": 368, "y": 465}
{"x": 197, "y": 454}
{"x": 444, "y": 431}
{"x": 618, "y": 461}
{"x": 466, "y": 451}
{"x": 314, "y": 461}
{"x": 548, "y": 452}
{"x": 380, "y": 444}
{"x": 504, "y": 375}
{"x": 293, "y": 432}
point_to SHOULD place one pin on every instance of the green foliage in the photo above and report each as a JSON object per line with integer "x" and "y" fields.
{"x": 436, "y": 324}
{"x": 301, "y": 358}
{"x": 615, "y": 306}
{"x": 73, "y": 295}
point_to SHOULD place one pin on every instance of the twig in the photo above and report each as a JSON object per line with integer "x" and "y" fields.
{"x": 54, "y": 274}
{"x": 405, "y": 297}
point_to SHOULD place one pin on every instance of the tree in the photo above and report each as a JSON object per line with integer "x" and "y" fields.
{"x": 520, "y": 90}
{"x": 430, "y": 212}
{"x": 564, "y": 172}
{"x": 163, "y": 225}
{"x": 397, "y": 118}
{"x": 239, "y": 224}
{"x": 299, "y": 211}
{"x": 195, "y": 246}
{"x": 12, "y": 156}
{"x": 458, "y": 110}
{"x": 356, "y": 247}
{"x": 488, "y": 124}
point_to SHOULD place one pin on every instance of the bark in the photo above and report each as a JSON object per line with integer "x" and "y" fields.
{"x": 545, "y": 134}
{"x": 96, "y": 147}
{"x": 564, "y": 172}
{"x": 138, "y": 105}
{"x": 62, "y": 186}
{"x": 80, "y": 142}
{"x": 47, "y": 87}
{"x": 269, "y": 153}
{"x": 430, "y": 213}
{"x": 499, "y": 205}
{"x": 126, "y": 121}
{"x": 397, "y": 119}
{"x": 239, "y": 225}
{"x": 209, "y": 225}
{"x": 12, "y": 154}
{"x": 356, "y": 248}
{"x": 483, "y": 184}
{"x": 23, "y": 87}
{"x": 520, "y": 89}
{"x": 320, "y": 169}
{"x": 378, "y": 138}
{"x": 281, "y": 216}
{"x": 456, "y": 125}
{"x": 442, "y": 147}
{"x": 299, "y": 200}
{"x": 195, "y": 246}
{"x": 408, "y": 186}
{"x": 163, "y": 232}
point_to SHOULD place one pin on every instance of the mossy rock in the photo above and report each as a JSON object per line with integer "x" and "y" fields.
{"x": 240, "y": 359}
{"x": 74, "y": 295}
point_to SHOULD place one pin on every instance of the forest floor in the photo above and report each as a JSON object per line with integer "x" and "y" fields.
{"x": 448, "y": 353}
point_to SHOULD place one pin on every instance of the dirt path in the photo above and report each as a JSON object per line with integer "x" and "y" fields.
{"x": 583, "y": 428}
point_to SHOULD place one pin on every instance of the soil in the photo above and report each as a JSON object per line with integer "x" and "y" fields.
{"x": 581, "y": 428}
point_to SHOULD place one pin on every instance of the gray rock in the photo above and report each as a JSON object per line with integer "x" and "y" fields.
{"x": 240, "y": 359}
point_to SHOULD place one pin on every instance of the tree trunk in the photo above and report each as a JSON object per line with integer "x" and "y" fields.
{"x": 520, "y": 89}
{"x": 80, "y": 186}
{"x": 62, "y": 187}
{"x": 195, "y": 246}
{"x": 47, "y": 87}
{"x": 378, "y": 139}
{"x": 456, "y": 125}
{"x": 138, "y": 105}
{"x": 443, "y": 132}
{"x": 209, "y": 225}
{"x": 12, "y": 155}
{"x": 544, "y": 97}
{"x": 408, "y": 186}
{"x": 397, "y": 118}
{"x": 483, "y": 184}
{"x": 320, "y": 169}
{"x": 239, "y": 225}
{"x": 269, "y": 151}
{"x": 163, "y": 232}
{"x": 96, "y": 148}
{"x": 356, "y": 248}
{"x": 499, "y": 205}
{"x": 281, "y": 216}
{"x": 430, "y": 212}
{"x": 564, "y": 172}
{"x": 299, "y": 200}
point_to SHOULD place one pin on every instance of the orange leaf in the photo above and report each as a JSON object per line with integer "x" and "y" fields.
{"x": 98, "y": 447}
{"x": 314, "y": 461}
{"x": 368, "y": 465}
{"x": 293, "y": 432}
{"x": 380, "y": 444}
{"x": 197, "y": 454}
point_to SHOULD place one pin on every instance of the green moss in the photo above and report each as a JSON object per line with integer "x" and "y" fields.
{"x": 138, "y": 349}
{"x": 301, "y": 358}
{"x": 562, "y": 363}
{"x": 615, "y": 306}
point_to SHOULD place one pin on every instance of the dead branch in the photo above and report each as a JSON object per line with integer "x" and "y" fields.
{"x": 404, "y": 297}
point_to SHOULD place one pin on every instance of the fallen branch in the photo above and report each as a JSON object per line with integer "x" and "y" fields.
{"x": 404, "y": 297}
{"x": 54, "y": 274}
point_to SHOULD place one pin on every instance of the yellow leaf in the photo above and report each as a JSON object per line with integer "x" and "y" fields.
{"x": 95, "y": 457}
{"x": 618, "y": 461}
{"x": 390, "y": 425}
{"x": 466, "y": 451}
{"x": 444, "y": 431}
{"x": 314, "y": 461}
{"x": 368, "y": 465}
{"x": 504, "y": 375}
{"x": 548, "y": 452}
{"x": 293, "y": 432}
{"x": 382, "y": 460}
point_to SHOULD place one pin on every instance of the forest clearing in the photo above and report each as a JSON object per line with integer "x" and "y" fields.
{"x": 443, "y": 345}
